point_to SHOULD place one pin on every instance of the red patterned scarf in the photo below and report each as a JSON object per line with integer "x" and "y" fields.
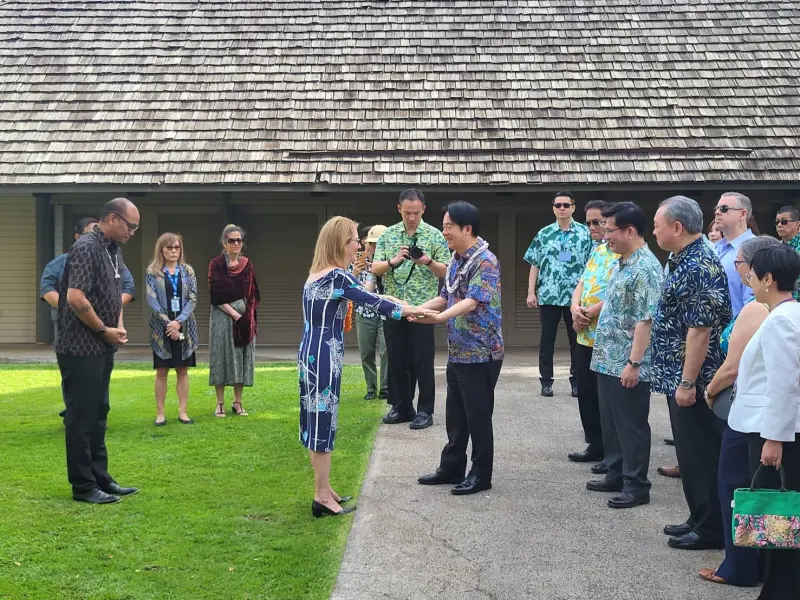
{"x": 228, "y": 285}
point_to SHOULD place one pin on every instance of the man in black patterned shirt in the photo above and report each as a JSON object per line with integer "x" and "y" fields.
{"x": 90, "y": 315}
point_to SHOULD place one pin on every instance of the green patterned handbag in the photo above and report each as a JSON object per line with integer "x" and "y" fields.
{"x": 766, "y": 519}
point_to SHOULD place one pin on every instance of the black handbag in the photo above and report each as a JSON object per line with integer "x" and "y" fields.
{"x": 723, "y": 402}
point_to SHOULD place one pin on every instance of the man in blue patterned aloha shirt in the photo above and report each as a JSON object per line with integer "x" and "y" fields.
{"x": 694, "y": 309}
{"x": 787, "y": 225}
{"x": 557, "y": 255}
{"x": 587, "y": 302}
{"x": 622, "y": 357}
{"x": 470, "y": 301}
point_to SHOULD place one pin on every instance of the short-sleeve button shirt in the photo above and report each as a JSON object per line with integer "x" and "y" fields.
{"x": 695, "y": 296}
{"x": 631, "y": 297}
{"x": 422, "y": 285}
{"x": 561, "y": 257}
{"x": 595, "y": 280}
{"x": 795, "y": 243}
{"x": 92, "y": 266}
{"x": 475, "y": 337}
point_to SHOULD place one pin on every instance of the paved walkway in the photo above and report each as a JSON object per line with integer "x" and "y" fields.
{"x": 537, "y": 535}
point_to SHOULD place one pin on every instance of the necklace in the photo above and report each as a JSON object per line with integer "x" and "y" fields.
{"x": 114, "y": 265}
{"x": 452, "y": 287}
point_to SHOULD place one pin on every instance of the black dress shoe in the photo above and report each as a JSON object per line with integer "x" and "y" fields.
{"x": 370, "y": 396}
{"x": 320, "y": 510}
{"x": 96, "y": 496}
{"x": 421, "y": 421}
{"x": 692, "y": 541}
{"x": 395, "y": 417}
{"x": 677, "y": 530}
{"x": 585, "y": 456}
{"x": 669, "y": 441}
{"x": 383, "y": 396}
{"x": 547, "y": 390}
{"x": 63, "y": 413}
{"x": 599, "y": 469}
{"x": 604, "y": 485}
{"x": 439, "y": 478}
{"x": 118, "y": 490}
{"x": 628, "y": 500}
{"x": 471, "y": 485}
{"x": 574, "y": 390}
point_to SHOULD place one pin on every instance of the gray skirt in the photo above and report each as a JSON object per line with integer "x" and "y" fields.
{"x": 229, "y": 365}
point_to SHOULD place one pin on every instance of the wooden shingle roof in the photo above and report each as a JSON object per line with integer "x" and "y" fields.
{"x": 385, "y": 92}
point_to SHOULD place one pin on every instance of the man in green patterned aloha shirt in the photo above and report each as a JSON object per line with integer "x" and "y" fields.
{"x": 557, "y": 255}
{"x": 411, "y": 257}
{"x": 787, "y": 224}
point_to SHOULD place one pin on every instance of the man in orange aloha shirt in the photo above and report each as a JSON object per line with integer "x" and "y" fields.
{"x": 587, "y": 302}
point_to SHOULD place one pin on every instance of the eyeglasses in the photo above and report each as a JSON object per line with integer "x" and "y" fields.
{"x": 131, "y": 226}
{"x": 785, "y": 221}
{"x": 607, "y": 231}
{"x": 562, "y": 204}
{"x": 232, "y": 241}
{"x": 723, "y": 208}
{"x": 595, "y": 222}
{"x": 736, "y": 263}
{"x": 172, "y": 247}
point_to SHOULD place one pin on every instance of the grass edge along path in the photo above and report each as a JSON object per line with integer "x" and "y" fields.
{"x": 224, "y": 510}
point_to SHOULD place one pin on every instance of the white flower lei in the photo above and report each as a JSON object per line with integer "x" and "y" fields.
{"x": 452, "y": 287}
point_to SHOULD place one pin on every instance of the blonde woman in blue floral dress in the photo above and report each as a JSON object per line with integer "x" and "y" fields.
{"x": 325, "y": 304}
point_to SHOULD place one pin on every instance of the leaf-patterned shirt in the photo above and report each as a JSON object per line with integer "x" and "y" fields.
{"x": 561, "y": 257}
{"x": 420, "y": 286}
{"x": 795, "y": 243}
{"x": 476, "y": 337}
{"x": 595, "y": 280}
{"x": 631, "y": 297}
{"x": 695, "y": 296}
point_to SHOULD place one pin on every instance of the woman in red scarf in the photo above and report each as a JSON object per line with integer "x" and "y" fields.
{"x": 232, "y": 333}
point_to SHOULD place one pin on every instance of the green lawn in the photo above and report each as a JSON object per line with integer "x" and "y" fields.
{"x": 224, "y": 510}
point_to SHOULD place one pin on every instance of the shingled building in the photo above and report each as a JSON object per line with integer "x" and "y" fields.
{"x": 278, "y": 115}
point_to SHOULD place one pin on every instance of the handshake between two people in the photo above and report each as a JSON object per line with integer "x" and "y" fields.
{"x": 416, "y": 314}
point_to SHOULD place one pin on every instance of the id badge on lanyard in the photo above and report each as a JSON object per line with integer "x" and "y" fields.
{"x": 176, "y": 304}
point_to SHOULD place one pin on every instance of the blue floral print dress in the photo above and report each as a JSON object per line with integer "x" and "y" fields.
{"x": 319, "y": 360}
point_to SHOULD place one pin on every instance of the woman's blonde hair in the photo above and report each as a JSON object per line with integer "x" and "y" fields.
{"x": 156, "y": 266}
{"x": 332, "y": 242}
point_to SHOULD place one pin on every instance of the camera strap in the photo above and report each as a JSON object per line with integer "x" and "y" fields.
{"x": 410, "y": 273}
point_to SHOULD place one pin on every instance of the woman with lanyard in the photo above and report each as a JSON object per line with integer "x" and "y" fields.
{"x": 172, "y": 297}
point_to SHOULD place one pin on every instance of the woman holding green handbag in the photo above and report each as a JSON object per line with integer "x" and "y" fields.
{"x": 767, "y": 408}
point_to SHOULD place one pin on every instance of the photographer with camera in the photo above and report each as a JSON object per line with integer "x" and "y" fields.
{"x": 411, "y": 257}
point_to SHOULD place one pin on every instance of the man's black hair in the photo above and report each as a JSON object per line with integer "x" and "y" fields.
{"x": 793, "y": 212}
{"x": 564, "y": 194}
{"x": 411, "y": 194}
{"x": 627, "y": 214}
{"x": 463, "y": 214}
{"x": 81, "y": 225}
{"x": 600, "y": 205}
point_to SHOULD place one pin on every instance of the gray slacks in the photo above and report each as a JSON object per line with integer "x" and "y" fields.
{"x": 370, "y": 339}
{"x": 624, "y": 414}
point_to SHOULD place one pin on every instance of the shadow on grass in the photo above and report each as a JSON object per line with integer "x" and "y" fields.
{"x": 224, "y": 507}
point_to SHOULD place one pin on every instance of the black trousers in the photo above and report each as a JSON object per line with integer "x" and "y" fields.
{"x": 588, "y": 400}
{"x": 782, "y": 581}
{"x": 85, "y": 381}
{"x": 470, "y": 404}
{"x": 698, "y": 439}
{"x": 550, "y": 316}
{"x": 412, "y": 349}
{"x": 626, "y": 432}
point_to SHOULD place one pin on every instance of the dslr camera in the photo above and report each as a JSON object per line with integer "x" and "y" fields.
{"x": 414, "y": 251}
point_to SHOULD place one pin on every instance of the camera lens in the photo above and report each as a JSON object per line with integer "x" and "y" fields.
{"x": 415, "y": 252}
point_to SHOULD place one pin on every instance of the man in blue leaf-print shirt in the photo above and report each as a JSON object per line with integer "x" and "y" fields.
{"x": 470, "y": 301}
{"x": 557, "y": 255}
{"x": 693, "y": 310}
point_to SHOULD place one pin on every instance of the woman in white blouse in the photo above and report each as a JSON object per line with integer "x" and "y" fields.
{"x": 767, "y": 404}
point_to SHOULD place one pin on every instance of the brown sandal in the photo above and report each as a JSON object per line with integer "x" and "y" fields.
{"x": 241, "y": 412}
{"x": 711, "y": 575}
{"x": 220, "y": 412}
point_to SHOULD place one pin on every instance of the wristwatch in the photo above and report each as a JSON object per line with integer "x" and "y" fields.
{"x": 635, "y": 364}
{"x": 686, "y": 384}
{"x": 101, "y": 332}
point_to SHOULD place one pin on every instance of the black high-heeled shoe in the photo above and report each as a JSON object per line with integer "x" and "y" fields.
{"x": 344, "y": 499}
{"x": 320, "y": 510}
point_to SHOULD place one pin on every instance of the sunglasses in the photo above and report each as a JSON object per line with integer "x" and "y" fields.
{"x": 131, "y": 226}
{"x": 594, "y": 222}
{"x": 723, "y": 208}
{"x": 785, "y": 221}
{"x": 172, "y": 247}
{"x": 562, "y": 204}
{"x": 235, "y": 241}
